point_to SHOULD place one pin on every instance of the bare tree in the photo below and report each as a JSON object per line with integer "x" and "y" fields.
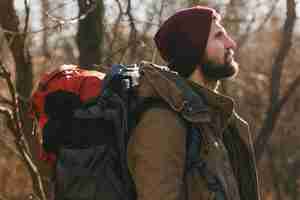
{"x": 90, "y": 32}
{"x": 160, "y": 21}
{"x": 18, "y": 121}
{"x": 14, "y": 123}
{"x": 276, "y": 102}
{"x": 113, "y": 34}
{"x": 45, "y": 8}
{"x": 242, "y": 40}
{"x": 133, "y": 35}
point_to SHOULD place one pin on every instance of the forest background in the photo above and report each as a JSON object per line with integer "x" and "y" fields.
{"x": 39, "y": 35}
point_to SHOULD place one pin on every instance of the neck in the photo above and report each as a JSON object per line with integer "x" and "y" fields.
{"x": 198, "y": 77}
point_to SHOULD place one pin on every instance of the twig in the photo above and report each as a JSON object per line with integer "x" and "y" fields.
{"x": 268, "y": 16}
{"x": 244, "y": 38}
{"x": 115, "y": 29}
{"x": 122, "y": 49}
{"x": 161, "y": 10}
{"x": 59, "y": 22}
{"x": 36, "y": 172}
{"x": 274, "y": 109}
{"x": 119, "y": 6}
{"x": 133, "y": 31}
{"x": 10, "y": 118}
{"x": 27, "y": 10}
{"x": 5, "y": 101}
{"x": 10, "y": 148}
{"x": 6, "y": 75}
{"x": 72, "y": 19}
{"x": 14, "y": 123}
{"x": 291, "y": 90}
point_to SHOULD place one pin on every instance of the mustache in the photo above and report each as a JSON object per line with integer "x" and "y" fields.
{"x": 229, "y": 57}
{"x": 229, "y": 52}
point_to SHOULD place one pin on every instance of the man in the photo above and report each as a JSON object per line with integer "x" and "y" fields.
{"x": 196, "y": 46}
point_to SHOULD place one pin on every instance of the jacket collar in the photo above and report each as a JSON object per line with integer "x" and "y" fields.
{"x": 222, "y": 103}
{"x": 194, "y": 102}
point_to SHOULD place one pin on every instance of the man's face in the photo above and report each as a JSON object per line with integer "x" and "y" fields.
{"x": 218, "y": 62}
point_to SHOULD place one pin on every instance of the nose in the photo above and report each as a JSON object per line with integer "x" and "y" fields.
{"x": 230, "y": 43}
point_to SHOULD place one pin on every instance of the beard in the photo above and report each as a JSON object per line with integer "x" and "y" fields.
{"x": 215, "y": 71}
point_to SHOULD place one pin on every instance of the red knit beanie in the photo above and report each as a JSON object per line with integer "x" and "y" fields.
{"x": 182, "y": 39}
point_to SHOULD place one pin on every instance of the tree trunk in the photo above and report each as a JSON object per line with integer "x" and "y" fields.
{"x": 23, "y": 67}
{"x": 10, "y": 22}
{"x": 276, "y": 101}
{"x": 45, "y": 8}
{"x": 90, "y": 32}
{"x": 24, "y": 81}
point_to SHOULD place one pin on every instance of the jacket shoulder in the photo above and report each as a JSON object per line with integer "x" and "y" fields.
{"x": 160, "y": 114}
{"x": 157, "y": 148}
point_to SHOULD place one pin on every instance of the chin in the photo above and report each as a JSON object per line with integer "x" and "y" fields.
{"x": 214, "y": 71}
{"x": 233, "y": 70}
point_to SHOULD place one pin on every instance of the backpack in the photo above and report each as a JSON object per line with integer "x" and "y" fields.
{"x": 90, "y": 138}
{"x": 60, "y": 86}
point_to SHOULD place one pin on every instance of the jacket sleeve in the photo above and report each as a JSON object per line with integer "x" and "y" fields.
{"x": 156, "y": 155}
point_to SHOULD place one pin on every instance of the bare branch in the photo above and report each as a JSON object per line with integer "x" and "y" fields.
{"x": 91, "y": 7}
{"x": 121, "y": 50}
{"x": 291, "y": 90}
{"x": 161, "y": 10}
{"x": 244, "y": 38}
{"x": 133, "y": 32}
{"x": 268, "y": 16}
{"x": 5, "y": 101}
{"x": 10, "y": 148}
{"x": 283, "y": 51}
{"x": 23, "y": 82}
{"x": 275, "y": 174}
{"x": 274, "y": 104}
{"x": 119, "y": 6}
{"x": 6, "y": 75}
{"x": 148, "y": 22}
{"x": 15, "y": 126}
{"x": 10, "y": 119}
{"x": 115, "y": 31}
{"x": 27, "y": 10}
{"x": 36, "y": 173}
{"x": 139, "y": 21}
{"x": 58, "y": 22}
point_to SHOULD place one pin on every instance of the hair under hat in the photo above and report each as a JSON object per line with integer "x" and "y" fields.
{"x": 182, "y": 38}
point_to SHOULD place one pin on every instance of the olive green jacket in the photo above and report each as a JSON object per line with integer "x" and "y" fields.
{"x": 157, "y": 147}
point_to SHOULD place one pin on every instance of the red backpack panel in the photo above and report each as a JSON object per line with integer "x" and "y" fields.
{"x": 85, "y": 83}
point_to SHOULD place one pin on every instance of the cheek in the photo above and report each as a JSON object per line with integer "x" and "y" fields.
{"x": 215, "y": 53}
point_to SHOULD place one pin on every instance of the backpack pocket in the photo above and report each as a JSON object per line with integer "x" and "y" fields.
{"x": 88, "y": 174}
{"x": 110, "y": 185}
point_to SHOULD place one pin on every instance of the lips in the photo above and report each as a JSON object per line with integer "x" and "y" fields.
{"x": 229, "y": 56}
